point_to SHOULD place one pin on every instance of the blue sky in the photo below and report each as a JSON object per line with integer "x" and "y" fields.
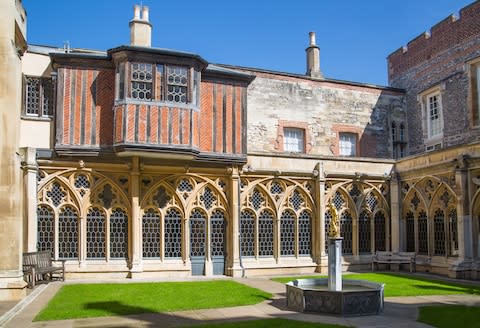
{"x": 355, "y": 37}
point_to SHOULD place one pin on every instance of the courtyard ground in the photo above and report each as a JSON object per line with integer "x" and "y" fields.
{"x": 399, "y": 311}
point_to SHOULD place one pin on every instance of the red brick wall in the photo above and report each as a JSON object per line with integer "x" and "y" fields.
{"x": 87, "y": 100}
{"x": 444, "y": 35}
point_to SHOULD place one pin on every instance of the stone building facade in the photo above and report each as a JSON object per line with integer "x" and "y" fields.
{"x": 438, "y": 188}
{"x": 147, "y": 162}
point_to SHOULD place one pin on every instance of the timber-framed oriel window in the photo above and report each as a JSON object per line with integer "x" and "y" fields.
{"x": 156, "y": 82}
{"x": 38, "y": 96}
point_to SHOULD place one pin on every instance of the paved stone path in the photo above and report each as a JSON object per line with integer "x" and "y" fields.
{"x": 399, "y": 312}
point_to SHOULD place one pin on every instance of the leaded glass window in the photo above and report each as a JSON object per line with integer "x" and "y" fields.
{"x": 95, "y": 233}
{"x": 439, "y": 233}
{"x": 173, "y": 233}
{"x": 410, "y": 232}
{"x": 338, "y": 200}
{"x": 197, "y": 233}
{"x": 151, "y": 234}
{"x": 265, "y": 234}
{"x": 39, "y": 96}
{"x": 118, "y": 234}
{"x": 379, "y": 226}
{"x": 296, "y": 200}
{"x": 364, "y": 233}
{"x": 287, "y": 233}
{"x": 346, "y": 232}
{"x": 68, "y": 233}
{"x": 328, "y": 218}
{"x": 372, "y": 202}
{"x": 208, "y": 198}
{"x": 452, "y": 217}
{"x": 177, "y": 83}
{"x": 141, "y": 79}
{"x": 247, "y": 233}
{"x": 56, "y": 194}
{"x": 304, "y": 234}
{"x": 217, "y": 236}
{"x": 45, "y": 229}
{"x": 422, "y": 233}
{"x": 257, "y": 199}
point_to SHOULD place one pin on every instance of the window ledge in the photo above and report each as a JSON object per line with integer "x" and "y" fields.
{"x": 37, "y": 118}
{"x": 156, "y": 103}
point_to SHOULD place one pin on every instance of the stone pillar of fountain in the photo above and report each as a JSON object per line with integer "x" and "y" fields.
{"x": 335, "y": 264}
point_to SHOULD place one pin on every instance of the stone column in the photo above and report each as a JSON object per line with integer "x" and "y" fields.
{"x": 12, "y": 45}
{"x": 395, "y": 213}
{"x": 30, "y": 170}
{"x": 320, "y": 215}
{"x": 464, "y": 217}
{"x": 235, "y": 268}
{"x": 134, "y": 226}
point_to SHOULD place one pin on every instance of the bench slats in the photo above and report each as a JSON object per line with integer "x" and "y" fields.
{"x": 394, "y": 258}
{"x": 40, "y": 264}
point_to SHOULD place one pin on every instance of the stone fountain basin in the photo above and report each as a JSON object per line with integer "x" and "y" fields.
{"x": 357, "y": 297}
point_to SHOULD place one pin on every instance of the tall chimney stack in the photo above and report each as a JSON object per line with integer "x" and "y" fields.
{"x": 313, "y": 58}
{"x": 140, "y": 28}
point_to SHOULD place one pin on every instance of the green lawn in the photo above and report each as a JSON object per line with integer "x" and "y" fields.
{"x": 97, "y": 300}
{"x": 450, "y": 316}
{"x": 277, "y": 323}
{"x": 403, "y": 285}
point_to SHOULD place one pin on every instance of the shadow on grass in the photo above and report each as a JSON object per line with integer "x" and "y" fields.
{"x": 117, "y": 308}
{"x": 463, "y": 289}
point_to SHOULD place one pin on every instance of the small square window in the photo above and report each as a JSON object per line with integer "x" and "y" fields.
{"x": 347, "y": 144}
{"x": 294, "y": 140}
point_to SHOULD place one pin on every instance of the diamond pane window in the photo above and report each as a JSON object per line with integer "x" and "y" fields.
{"x": 82, "y": 182}
{"x": 410, "y": 235}
{"x": 371, "y": 202}
{"x": 173, "y": 233}
{"x": 95, "y": 234}
{"x": 68, "y": 233}
{"x": 379, "y": 226}
{"x": 439, "y": 233}
{"x": 364, "y": 233}
{"x": 217, "y": 237}
{"x": 118, "y": 234}
{"x": 265, "y": 234}
{"x": 338, "y": 200}
{"x": 247, "y": 233}
{"x": 141, "y": 79}
{"x": 422, "y": 233}
{"x": 208, "y": 198}
{"x": 287, "y": 233}
{"x": 45, "y": 238}
{"x": 151, "y": 234}
{"x": 304, "y": 234}
{"x": 346, "y": 232}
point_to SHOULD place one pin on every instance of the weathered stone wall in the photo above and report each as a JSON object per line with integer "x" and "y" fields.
{"x": 324, "y": 109}
{"x": 440, "y": 58}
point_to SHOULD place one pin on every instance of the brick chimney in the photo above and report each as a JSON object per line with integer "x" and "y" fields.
{"x": 140, "y": 28}
{"x": 313, "y": 58}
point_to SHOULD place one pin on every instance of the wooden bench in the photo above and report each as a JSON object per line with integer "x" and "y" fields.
{"x": 38, "y": 266}
{"x": 394, "y": 258}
